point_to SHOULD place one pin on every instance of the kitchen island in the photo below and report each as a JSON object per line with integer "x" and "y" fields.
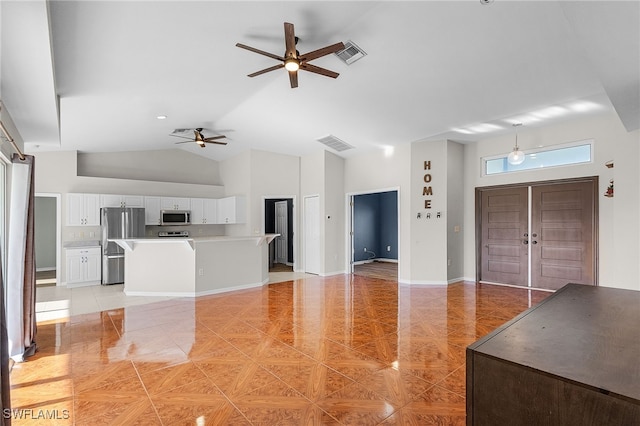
{"x": 189, "y": 267}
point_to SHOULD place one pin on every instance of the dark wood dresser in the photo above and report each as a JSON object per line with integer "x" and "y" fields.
{"x": 574, "y": 359}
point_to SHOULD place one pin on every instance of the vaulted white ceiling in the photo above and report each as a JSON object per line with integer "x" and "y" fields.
{"x": 434, "y": 69}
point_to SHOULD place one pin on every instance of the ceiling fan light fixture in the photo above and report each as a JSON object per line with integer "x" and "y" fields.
{"x": 516, "y": 156}
{"x": 292, "y": 64}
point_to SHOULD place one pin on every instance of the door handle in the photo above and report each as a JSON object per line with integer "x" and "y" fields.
{"x": 525, "y": 242}
{"x": 534, "y": 242}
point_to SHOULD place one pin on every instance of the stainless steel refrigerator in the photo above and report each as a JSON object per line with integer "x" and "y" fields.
{"x": 118, "y": 223}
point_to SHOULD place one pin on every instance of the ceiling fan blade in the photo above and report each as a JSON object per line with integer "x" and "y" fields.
{"x": 319, "y": 70}
{"x": 261, "y": 52}
{"x": 275, "y": 67}
{"x": 293, "y": 79}
{"x": 322, "y": 52}
{"x": 211, "y": 138}
{"x": 290, "y": 40}
{"x": 189, "y": 141}
{"x": 216, "y": 142}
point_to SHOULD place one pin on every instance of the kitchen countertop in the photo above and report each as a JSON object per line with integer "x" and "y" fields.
{"x": 129, "y": 243}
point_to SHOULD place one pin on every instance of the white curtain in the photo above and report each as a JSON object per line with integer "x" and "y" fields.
{"x": 20, "y": 285}
{"x": 5, "y": 383}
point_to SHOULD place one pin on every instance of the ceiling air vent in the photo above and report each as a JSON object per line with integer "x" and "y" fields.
{"x": 350, "y": 53}
{"x": 335, "y": 143}
{"x": 183, "y": 132}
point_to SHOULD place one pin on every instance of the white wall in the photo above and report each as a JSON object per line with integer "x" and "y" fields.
{"x": 455, "y": 211}
{"x": 428, "y": 235}
{"x": 182, "y": 166}
{"x": 619, "y": 227}
{"x": 272, "y": 175}
{"x": 235, "y": 172}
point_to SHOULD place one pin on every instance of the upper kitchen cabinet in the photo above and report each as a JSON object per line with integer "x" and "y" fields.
{"x": 152, "y": 210}
{"x": 112, "y": 200}
{"x": 83, "y": 210}
{"x": 175, "y": 203}
{"x": 231, "y": 210}
{"x": 203, "y": 211}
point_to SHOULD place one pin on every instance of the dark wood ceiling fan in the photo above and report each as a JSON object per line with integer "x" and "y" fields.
{"x": 200, "y": 139}
{"x": 292, "y": 60}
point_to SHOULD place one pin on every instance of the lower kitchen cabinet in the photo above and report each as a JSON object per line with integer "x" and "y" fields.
{"x": 84, "y": 266}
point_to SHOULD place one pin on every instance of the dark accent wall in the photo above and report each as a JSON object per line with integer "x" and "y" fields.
{"x": 270, "y": 222}
{"x": 375, "y": 225}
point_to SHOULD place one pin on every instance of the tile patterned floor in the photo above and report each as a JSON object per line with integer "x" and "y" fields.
{"x": 340, "y": 350}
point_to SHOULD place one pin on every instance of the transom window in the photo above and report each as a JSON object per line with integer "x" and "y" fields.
{"x": 558, "y": 155}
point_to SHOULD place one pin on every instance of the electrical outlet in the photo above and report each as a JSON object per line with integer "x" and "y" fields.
{"x": 365, "y": 249}
{"x": 201, "y": 272}
{"x": 388, "y": 248}
{"x": 448, "y": 262}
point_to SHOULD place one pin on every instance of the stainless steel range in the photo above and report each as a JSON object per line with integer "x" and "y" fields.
{"x": 174, "y": 234}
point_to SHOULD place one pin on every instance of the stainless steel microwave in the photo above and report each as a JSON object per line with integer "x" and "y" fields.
{"x": 175, "y": 217}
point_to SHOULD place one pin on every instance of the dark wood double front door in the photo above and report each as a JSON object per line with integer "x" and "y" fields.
{"x": 540, "y": 235}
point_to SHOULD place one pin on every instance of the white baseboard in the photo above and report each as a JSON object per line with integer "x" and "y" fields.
{"x": 46, "y": 268}
{"x": 376, "y": 259}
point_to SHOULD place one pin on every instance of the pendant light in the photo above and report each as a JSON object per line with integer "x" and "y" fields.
{"x": 516, "y": 156}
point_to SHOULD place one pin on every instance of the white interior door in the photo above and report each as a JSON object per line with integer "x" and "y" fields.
{"x": 312, "y": 235}
{"x": 281, "y": 227}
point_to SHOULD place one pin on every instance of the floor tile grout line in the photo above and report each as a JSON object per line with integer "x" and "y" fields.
{"x": 155, "y": 409}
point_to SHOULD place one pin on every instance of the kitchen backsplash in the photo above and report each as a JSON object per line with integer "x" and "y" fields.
{"x": 194, "y": 230}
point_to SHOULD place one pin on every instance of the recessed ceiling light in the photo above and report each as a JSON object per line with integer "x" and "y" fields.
{"x": 161, "y": 117}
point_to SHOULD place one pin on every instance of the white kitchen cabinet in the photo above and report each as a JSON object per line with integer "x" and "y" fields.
{"x": 152, "y": 210}
{"x": 175, "y": 203}
{"x": 84, "y": 266}
{"x": 83, "y": 210}
{"x": 114, "y": 200}
{"x": 203, "y": 211}
{"x": 231, "y": 209}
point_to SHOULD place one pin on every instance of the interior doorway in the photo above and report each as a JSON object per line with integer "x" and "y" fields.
{"x": 539, "y": 235}
{"x": 374, "y": 234}
{"x": 47, "y": 238}
{"x": 279, "y": 219}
